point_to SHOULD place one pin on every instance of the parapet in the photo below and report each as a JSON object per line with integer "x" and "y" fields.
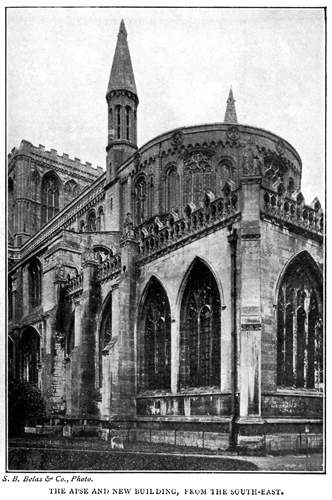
{"x": 76, "y": 164}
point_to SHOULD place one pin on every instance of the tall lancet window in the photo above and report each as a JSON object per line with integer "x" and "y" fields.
{"x": 118, "y": 121}
{"x": 50, "y": 193}
{"x": 155, "y": 339}
{"x": 172, "y": 189}
{"x": 200, "y": 329}
{"x": 299, "y": 325}
{"x": 128, "y": 118}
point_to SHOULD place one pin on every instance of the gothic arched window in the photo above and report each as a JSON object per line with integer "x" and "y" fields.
{"x": 34, "y": 277}
{"x": 29, "y": 355}
{"x": 101, "y": 220}
{"x": 198, "y": 176}
{"x": 128, "y": 119}
{"x": 118, "y": 121}
{"x": 200, "y": 329}
{"x": 172, "y": 189}
{"x": 91, "y": 221}
{"x": 50, "y": 193}
{"x": 155, "y": 339}
{"x": 140, "y": 200}
{"x": 299, "y": 331}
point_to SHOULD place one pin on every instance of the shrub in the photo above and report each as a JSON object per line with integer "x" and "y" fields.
{"x": 25, "y": 406}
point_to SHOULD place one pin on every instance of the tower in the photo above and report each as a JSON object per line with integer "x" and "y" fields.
{"x": 122, "y": 102}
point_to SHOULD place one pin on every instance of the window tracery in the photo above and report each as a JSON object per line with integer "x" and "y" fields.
{"x": 155, "y": 347}
{"x": 50, "y": 197}
{"x": 172, "y": 189}
{"x": 199, "y": 176}
{"x": 299, "y": 327}
{"x": 200, "y": 330}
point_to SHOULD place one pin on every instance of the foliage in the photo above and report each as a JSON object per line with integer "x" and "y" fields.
{"x": 25, "y": 406}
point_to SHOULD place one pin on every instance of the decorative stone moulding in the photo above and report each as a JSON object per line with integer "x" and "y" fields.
{"x": 284, "y": 209}
{"x": 109, "y": 268}
{"x": 89, "y": 257}
{"x": 153, "y": 238}
{"x": 74, "y": 284}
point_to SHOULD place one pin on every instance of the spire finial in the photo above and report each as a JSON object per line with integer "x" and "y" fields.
{"x": 122, "y": 29}
{"x": 230, "y": 114}
{"x": 122, "y": 75}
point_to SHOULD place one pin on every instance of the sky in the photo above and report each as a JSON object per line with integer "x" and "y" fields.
{"x": 184, "y": 60}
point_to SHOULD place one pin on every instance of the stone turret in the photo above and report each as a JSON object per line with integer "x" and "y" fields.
{"x": 122, "y": 104}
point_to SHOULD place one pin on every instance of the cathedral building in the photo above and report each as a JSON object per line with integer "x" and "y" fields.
{"x": 176, "y": 297}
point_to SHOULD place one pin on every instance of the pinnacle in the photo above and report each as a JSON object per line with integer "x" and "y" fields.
{"x": 122, "y": 75}
{"x": 230, "y": 114}
{"x": 122, "y": 29}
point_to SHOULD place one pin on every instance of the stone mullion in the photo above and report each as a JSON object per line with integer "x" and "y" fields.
{"x": 306, "y": 334}
{"x": 198, "y": 348}
{"x": 175, "y": 356}
{"x": 295, "y": 343}
{"x": 284, "y": 339}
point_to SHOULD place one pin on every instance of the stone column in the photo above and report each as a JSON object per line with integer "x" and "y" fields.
{"x": 175, "y": 356}
{"x": 90, "y": 302}
{"x": 126, "y": 342}
{"x": 250, "y": 312}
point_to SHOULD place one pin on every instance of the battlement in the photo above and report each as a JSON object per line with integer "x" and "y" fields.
{"x": 40, "y": 152}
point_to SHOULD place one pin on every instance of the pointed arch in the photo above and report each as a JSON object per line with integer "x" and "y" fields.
{"x": 200, "y": 328}
{"x": 91, "y": 221}
{"x": 187, "y": 274}
{"x": 154, "y": 338}
{"x": 50, "y": 195}
{"x": 172, "y": 188}
{"x": 299, "y": 319}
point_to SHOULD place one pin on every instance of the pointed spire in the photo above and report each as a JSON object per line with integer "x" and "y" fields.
{"x": 230, "y": 114}
{"x": 122, "y": 75}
